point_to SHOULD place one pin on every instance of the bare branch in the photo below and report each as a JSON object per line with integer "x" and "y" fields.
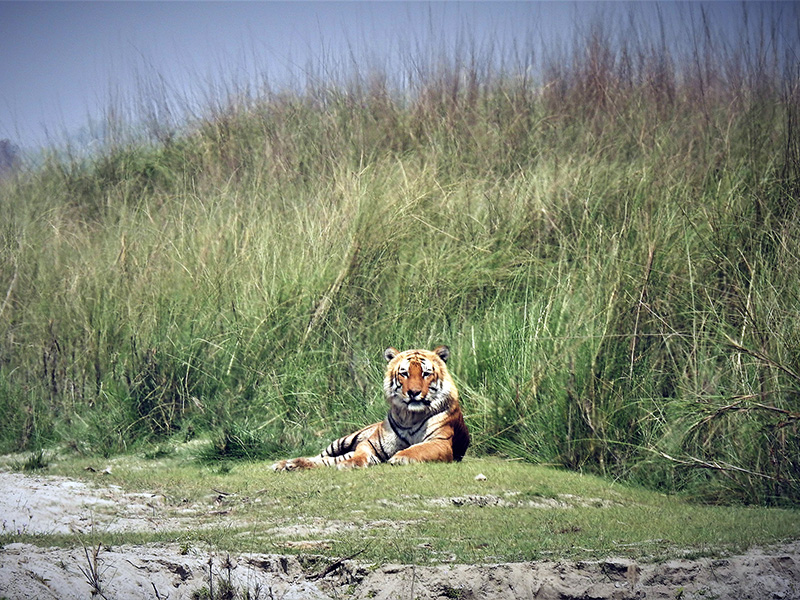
{"x": 763, "y": 358}
{"x": 714, "y": 465}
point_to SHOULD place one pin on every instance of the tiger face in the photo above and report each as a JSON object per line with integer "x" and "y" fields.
{"x": 417, "y": 381}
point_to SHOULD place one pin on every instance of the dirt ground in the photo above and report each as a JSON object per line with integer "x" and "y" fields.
{"x": 38, "y": 504}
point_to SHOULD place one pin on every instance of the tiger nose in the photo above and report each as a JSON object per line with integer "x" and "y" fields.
{"x": 414, "y": 394}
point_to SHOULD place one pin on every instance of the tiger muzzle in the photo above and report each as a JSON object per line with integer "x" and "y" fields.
{"x": 416, "y": 397}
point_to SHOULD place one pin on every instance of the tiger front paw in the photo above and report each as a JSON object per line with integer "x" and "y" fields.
{"x": 358, "y": 462}
{"x": 293, "y": 464}
{"x": 400, "y": 459}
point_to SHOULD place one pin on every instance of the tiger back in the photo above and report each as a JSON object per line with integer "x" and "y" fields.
{"x": 424, "y": 422}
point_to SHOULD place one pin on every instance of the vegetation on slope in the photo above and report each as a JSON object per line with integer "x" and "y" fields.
{"x": 610, "y": 248}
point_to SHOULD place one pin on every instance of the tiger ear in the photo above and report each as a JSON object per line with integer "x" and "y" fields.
{"x": 443, "y": 352}
{"x": 390, "y": 353}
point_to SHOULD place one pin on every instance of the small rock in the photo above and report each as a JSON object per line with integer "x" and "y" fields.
{"x": 480, "y": 477}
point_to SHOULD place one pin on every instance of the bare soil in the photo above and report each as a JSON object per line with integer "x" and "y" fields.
{"x": 42, "y": 505}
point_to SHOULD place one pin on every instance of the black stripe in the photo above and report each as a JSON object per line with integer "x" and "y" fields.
{"x": 374, "y": 450}
{"x": 343, "y": 445}
{"x": 384, "y": 454}
{"x": 409, "y": 431}
{"x": 395, "y": 427}
{"x": 421, "y": 425}
{"x": 433, "y": 432}
{"x": 335, "y": 448}
{"x": 449, "y": 437}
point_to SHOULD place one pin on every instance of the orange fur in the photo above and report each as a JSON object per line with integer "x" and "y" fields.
{"x": 424, "y": 422}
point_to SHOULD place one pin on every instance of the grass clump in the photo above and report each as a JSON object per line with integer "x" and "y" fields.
{"x": 35, "y": 461}
{"x": 237, "y": 442}
{"x": 609, "y": 247}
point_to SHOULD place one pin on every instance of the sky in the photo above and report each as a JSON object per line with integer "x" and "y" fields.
{"x": 63, "y": 64}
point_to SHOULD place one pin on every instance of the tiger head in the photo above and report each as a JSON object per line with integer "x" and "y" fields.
{"x": 417, "y": 381}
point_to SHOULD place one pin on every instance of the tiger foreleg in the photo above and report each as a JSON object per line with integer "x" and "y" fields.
{"x": 431, "y": 451}
{"x": 339, "y": 453}
{"x": 364, "y": 456}
{"x": 295, "y": 464}
{"x": 311, "y": 462}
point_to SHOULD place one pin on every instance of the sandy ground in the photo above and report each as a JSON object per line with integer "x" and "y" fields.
{"x": 37, "y": 504}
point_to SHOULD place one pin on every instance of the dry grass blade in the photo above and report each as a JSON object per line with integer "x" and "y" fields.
{"x": 692, "y": 461}
{"x": 92, "y": 571}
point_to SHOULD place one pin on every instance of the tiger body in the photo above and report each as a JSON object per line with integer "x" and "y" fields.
{"x": 424, "y": 422}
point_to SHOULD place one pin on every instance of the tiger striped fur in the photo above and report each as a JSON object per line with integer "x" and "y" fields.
{"x": 424, "y": 422}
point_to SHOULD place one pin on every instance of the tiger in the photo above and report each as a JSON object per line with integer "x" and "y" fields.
{"x": 424, "y": 422}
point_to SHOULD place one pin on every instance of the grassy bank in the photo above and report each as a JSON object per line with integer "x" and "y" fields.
{"x": 610, "y": 249}
{"x": 420, "y": 515}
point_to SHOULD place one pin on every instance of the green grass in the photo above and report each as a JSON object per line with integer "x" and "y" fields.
{"x": 610, "y": 249}
{"x": 519, "y": 512}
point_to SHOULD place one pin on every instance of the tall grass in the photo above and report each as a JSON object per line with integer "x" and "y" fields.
{"x": 607, "y": 238}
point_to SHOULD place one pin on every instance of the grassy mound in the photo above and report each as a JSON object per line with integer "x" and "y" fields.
{"x": 610, "y": 248}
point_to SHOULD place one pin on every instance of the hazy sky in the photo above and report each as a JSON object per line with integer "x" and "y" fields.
{"x": 61, "y": 63}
